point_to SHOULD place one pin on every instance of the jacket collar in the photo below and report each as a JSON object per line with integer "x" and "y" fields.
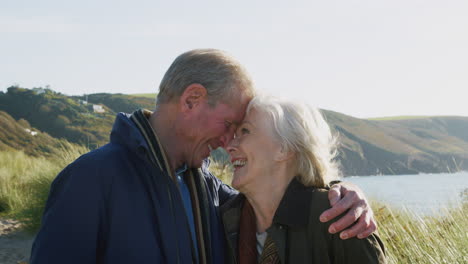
{"x": 156, "y": 150}
{"x": 293, "y": 209}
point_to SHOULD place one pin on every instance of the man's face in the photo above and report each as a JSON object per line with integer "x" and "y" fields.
{"x": 212, "y": 127}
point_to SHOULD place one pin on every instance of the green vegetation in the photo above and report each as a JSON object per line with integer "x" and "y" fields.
{"x": 147, "y": 95}
{"x": 120, "y": 102}
{"x": 411, "y": 239}
{"x": 19, "y": 135}
{"x": 25, "y": 182}
{"x": 58, "y": 115}
{"x": 87, "y": 123}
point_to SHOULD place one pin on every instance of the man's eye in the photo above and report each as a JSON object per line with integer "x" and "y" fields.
{"x": 227, "y": 124}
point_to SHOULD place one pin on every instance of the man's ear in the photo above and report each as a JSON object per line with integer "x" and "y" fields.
{"x": 192, "y": 97}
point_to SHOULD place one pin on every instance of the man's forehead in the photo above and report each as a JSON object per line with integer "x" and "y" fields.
{"x": 233, "y": 112}
{"x": 238, "y": 109}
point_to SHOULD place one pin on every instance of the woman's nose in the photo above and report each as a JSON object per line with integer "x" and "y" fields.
{"x": 232, "y": 146}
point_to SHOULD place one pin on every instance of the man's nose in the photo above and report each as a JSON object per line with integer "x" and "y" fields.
{"x": 225, "y": 141}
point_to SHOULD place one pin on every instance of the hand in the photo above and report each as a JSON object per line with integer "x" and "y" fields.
{"x": 344, "y": 196}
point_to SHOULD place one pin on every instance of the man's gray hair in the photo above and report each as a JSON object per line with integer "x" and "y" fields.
{"x": 301, "y": 129}
{"x": 220, "y": 74}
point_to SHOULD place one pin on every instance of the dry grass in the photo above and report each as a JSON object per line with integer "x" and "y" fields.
{"x": 25, "y": 182}
{"x": 410, "y": 238}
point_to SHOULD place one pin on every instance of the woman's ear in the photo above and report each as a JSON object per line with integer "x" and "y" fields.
{"x": 283, "y": 154}
{"x": 192, "y": 97}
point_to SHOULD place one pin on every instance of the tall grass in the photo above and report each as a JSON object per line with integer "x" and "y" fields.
{"x": 25, "y": 182}
{"x": 410, "y": 238}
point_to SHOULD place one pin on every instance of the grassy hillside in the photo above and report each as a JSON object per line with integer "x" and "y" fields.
{"x": 121, "y": 102}
{"x": 70, "y": 117}
{"x": 58, "y": 115}
{"x": 395, "y": 145}
{"x": 21, "y": 136}
{"x": 146, "y": 95}
{"x": 401, "y": 146}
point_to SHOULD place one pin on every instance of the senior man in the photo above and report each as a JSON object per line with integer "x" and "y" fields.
{"x": 147, "y": 196}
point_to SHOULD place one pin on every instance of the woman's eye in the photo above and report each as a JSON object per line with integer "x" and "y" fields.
{"x": 245, "y": 131}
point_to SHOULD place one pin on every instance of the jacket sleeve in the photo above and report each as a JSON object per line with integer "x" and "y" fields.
{"x": 354, "y": 250}
{"x": 350, "y": 251}
{"x": 225, "y": 193}
{"x": 73, "y": 218}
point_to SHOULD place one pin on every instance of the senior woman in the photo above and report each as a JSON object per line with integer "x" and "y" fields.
{"x": 282, "y": 155}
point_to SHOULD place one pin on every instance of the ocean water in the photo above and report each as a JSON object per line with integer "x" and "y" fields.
{"x": 424, "y": 194}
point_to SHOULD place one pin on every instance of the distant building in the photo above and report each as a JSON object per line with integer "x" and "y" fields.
{"x": 98, "y": 109}
{"x": 33, "y": 133}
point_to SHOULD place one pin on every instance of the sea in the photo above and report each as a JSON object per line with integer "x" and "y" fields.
{"x": 422, "y": 194}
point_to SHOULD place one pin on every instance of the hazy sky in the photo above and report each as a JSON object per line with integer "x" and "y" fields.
{"x": 362, "y": 58}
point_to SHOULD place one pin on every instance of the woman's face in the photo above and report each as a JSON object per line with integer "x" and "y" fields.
{"x": 253, "y": 152}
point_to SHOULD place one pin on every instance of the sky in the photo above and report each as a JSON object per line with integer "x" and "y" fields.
{"x": 362, "y": 58}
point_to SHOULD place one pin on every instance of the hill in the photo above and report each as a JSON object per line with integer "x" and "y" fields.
{"x": 146, "y": 95}
{"x": 58, "y": 115}
{"x": 402, "y": 145}
{"x": 121, "y": 102}
{"x": 70, "y": 117}
{"x": 19, "y": 135}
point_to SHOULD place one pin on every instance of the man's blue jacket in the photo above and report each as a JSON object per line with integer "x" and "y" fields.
{"x": 113, "y": 205}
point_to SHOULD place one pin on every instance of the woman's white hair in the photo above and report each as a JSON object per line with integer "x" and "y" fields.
{"x": 301, "y": 129}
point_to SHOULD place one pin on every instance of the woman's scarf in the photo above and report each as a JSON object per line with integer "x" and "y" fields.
{"x": 247, "y": 242}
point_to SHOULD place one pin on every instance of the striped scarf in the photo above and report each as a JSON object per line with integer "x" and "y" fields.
{"x": 194, "y": 182}
{"x": 269, "y": 253}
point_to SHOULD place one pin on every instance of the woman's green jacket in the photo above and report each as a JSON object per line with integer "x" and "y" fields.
{"x": 299, "y": 235}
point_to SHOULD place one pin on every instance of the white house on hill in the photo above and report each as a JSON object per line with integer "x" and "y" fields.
{"x": 98, "y": 109}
